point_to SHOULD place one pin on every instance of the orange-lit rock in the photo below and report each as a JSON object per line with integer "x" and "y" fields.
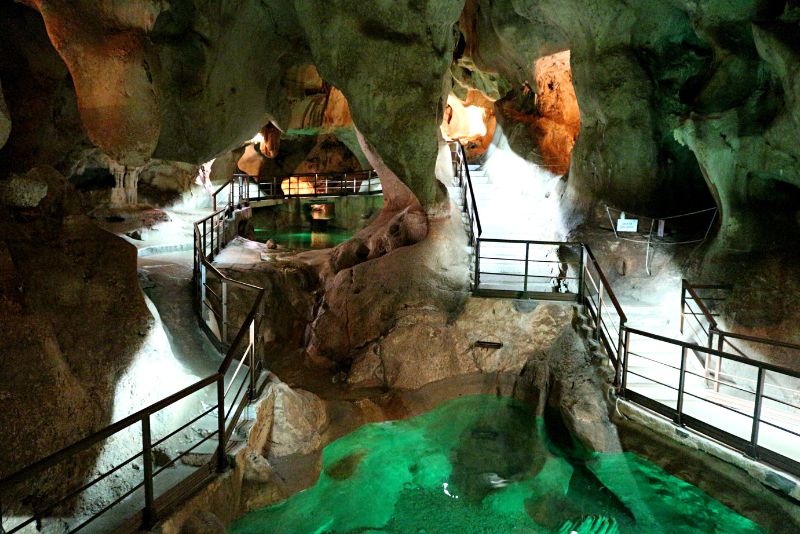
{"x": 472, "y": 122}
{"x": 103, "y": 48}
{"x": 559, "y": 121}
{"x": 328, "y": 155}
{"x": 547, "y": 116}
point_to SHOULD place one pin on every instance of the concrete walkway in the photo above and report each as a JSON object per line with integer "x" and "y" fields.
{"x": 515, "y": 202}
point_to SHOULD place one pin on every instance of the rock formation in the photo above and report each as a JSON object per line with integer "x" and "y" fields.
{"x": 61, "y": 279}
{"x": 682, "y": 105}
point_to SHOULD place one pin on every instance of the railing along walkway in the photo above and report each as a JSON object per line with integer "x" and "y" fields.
{"x": 247, "y": 188}
{"x": 755, "y": 409}
{"x": 52, "y": 490}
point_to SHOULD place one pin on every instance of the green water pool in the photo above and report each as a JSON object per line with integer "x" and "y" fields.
{"x": 304, "y": 238}
{"x": 483, "y": 464}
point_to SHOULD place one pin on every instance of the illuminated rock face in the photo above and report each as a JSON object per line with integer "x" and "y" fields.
{"x": 558, "y": 118}
{"x": 153, "y": 79}
{"x": 472, "y": 122}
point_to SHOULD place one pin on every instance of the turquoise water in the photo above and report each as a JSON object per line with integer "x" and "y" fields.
{"x": 305, "y": 239}
{"x": 483, "y": 464}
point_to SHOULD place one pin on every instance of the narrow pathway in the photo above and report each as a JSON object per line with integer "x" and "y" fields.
{"x": 167, "y": 280}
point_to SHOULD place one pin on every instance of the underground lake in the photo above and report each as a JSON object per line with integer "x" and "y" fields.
{"x": 486, "y": 464}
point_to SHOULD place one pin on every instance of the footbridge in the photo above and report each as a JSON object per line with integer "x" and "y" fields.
{"x": 704, "y": 378}
{"x": 245, "y": 189}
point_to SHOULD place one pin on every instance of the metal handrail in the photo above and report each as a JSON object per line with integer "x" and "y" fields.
{"x": 307, "y": 174}
{"x": 760, "y": 340}
{"x": 606, "y": 284}
{"x": 225, "y": 424}
{"x": 723, "y": 335}
{"x": 465, "y": 168}
{"x": 324, "y": 184}
{"x": 606, "y": 325}
{"x": 714, "y": 352}
{"x": 752, "y": 446}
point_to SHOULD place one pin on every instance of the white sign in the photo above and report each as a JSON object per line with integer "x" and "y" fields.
{"x": 627, "y": 225}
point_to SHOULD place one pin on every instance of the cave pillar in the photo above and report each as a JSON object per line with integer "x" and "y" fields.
{"x": 125, "y": 191}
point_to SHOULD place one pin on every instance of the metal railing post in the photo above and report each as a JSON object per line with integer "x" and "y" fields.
{"x": 204, "y": 236}
{"x": 757, "y": 413}
{"x": 477, "y": 265}
{"x": 211, "y": 252}
{"x": 203, "y": 280}
{"x": 147, "y": 459}
{"x": 718, "y": 371}
{"x": 681, "y": 386}
{"x": 222, "y": 461}
{"x": 599, "y": 310}
{"x": 252, "y": 362}
{"x": 525, "y": 280}
{"x": 224, "y": 325}
{"x": 627, "y": 348}
{"x": 620, "y": 349}
{"x": 683, "y": 302}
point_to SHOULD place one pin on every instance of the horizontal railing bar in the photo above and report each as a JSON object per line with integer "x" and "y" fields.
{"x": 110, "y": 430}
{"x": 171, "y": 434}
{"x": 184, "y": 453}
{"x": 605, "y": 283}
{"x": 793, "y": 406}
{"x": 529, "y": 241}
{"x": 783, "y": 429}
{"x": 107, "y": 508}
{"x": 651, "y": 380}
{"x": 653, "y": 360}
{"x": 734, "y": 410}
{"x": 306, "y": 175}
{"x": 88, "y": 485}
{"x": 720, "y": 382}
{"x": 570, "y": 263}
{"x": 763, "y": 341}
{"x": 710, "y": 286}
{"x": 714, "y": 352}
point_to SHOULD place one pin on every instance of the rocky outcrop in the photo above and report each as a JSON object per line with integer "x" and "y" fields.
{"x": 150, "y": 82}
{"x": 403, "y": 97}
{"x": 38, "y": 94}
{"x": 425, "y": 345}
{"x": 62, "y": 278}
